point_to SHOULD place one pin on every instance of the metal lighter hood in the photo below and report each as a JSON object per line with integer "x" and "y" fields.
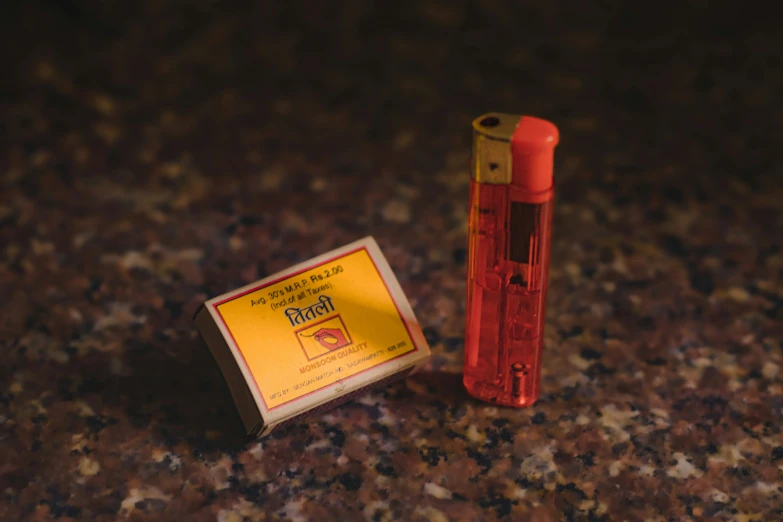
{"x": 491, "y": 158}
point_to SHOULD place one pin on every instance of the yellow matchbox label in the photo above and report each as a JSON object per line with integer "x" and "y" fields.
{"x": 319, "y": 326}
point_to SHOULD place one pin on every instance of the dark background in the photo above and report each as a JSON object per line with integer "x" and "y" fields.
{"x": 156, "y": 154}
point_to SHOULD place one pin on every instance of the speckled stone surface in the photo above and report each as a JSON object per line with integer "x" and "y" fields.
{"x": 159, "y": 153}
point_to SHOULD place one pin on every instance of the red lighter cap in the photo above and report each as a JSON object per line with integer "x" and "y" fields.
{"x": 532, "y": 154}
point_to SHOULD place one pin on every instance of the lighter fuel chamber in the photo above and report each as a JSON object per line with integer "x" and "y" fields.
{"x": 511, "y": 193}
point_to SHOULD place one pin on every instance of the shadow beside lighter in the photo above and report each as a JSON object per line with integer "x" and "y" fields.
{"x": 511, "y": 193}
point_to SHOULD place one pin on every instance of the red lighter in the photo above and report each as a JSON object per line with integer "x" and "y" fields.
{"x": 511, "y": 191}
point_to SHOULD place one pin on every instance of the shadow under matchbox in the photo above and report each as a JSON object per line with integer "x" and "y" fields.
{"x": 312, "y": 336}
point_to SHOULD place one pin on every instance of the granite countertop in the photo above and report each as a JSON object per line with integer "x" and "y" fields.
{"x": 155, "y": 155}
